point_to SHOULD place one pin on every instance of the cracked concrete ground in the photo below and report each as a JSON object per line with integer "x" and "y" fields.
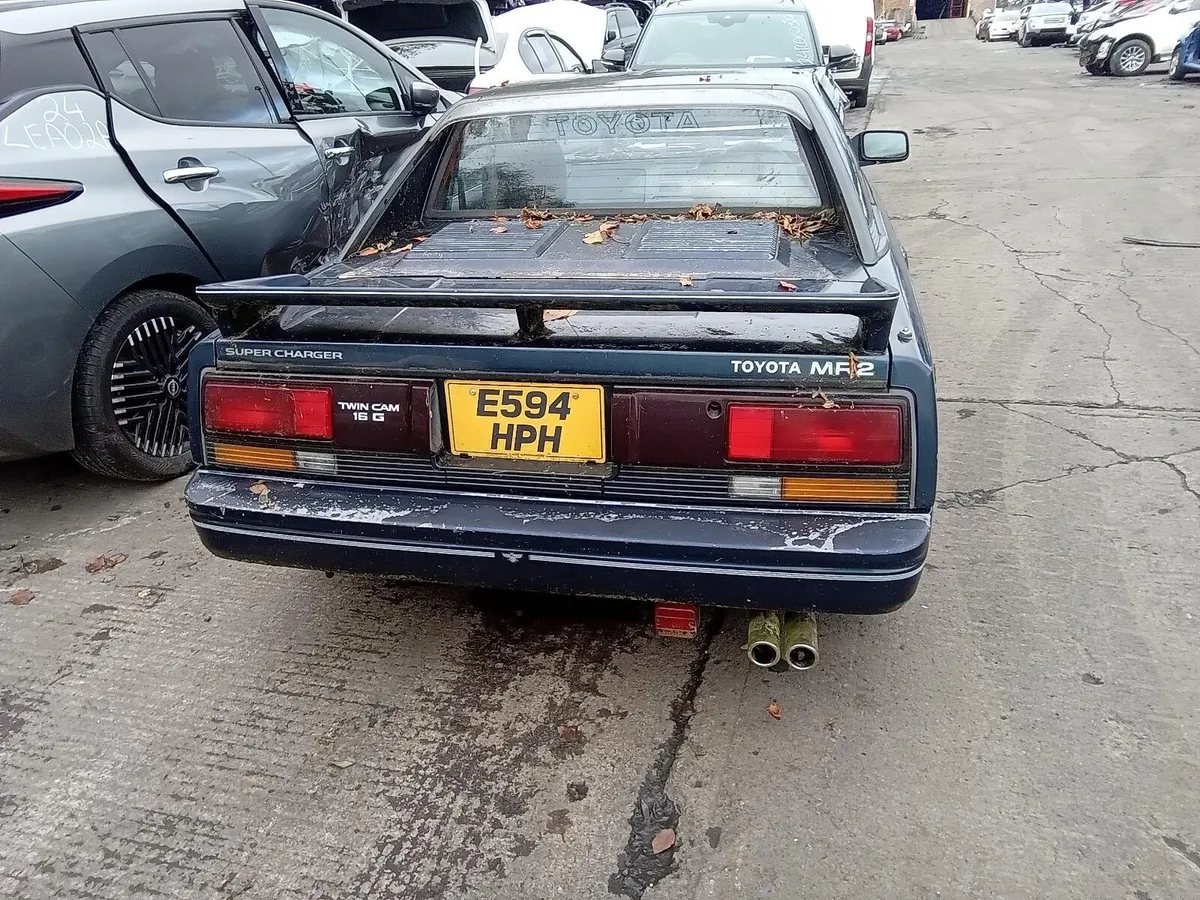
{"x": 1027, "y": 727}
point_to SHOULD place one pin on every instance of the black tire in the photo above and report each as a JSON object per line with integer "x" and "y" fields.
{"x": 1176, "y": 73}
{"x": 1127, "y": 49}
{"x": 860, "y": 99}
{"x": 131, "y": 388}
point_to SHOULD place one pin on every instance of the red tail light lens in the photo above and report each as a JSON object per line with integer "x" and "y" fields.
{"x": 798, "y": 434}
{"x": 870, "y": 37}
{"x": 23, "y": 194}
{"x": 277, "y": 411}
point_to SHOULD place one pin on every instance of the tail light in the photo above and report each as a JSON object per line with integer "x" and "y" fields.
{"x": 24, "y": 194}
{"x": 804, "y": 434}
{"x": 870, "y": 38}
{"x": 270, "y": 410}
{"x": 474, "y": 90}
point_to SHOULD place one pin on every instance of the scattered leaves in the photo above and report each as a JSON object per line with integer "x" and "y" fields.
{"x": 368, "y": 251}
{"x": 100, "y": 563}
{"x": 342, "y": 763}
{"x": 499, "y": 218}
{"x": 534, "y": 218}
{"x": 552, "y": 315}
{"x": 404, "y": 249}
{"x": 663, "y": 841}
{"x": 786, "y": 286}
{"x": 420, "y": 238}
{"x": 569, "y": 734}
{"x": 853, "y": 366}
{"x": 824, "y": 398}
{"x": 606, "y": 232}
{"x": 258, "y": 489}
{"x": 560, "y": 822}
{"x": 500, "y": 229}
{"x": 686, "y": 280}
{"x": 773, "y": 711}
{"x": 21, "y": 597}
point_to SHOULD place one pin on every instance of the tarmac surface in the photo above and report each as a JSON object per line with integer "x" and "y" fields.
{"x": 1027, "y": 727}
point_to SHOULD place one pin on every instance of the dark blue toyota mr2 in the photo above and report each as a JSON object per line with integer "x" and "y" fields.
{"x": 625, "y": 336}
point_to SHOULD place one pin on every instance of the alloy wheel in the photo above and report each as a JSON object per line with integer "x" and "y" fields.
{"x": 148, "y": 385}
{"x": 1131, "y": 59}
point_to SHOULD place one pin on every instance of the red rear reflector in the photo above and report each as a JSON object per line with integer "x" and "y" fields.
{"x": 24, "y": 194}
{"x": 676, "y": 619}
{"x": 807, "y": 434}
{"x": 271, "y": 410}
{"x": 870, "y": 37}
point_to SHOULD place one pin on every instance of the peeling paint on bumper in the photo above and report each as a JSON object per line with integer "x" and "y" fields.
{"x": 844, "y": 562}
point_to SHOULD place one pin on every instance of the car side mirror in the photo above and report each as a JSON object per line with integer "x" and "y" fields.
{"x": 875, "y": 147}
{"x": 425, "y": 98}
{"x": 613, "y": 60}
{"x": 1180, "y": 7}
{"x": 840, "y": 54}
{"x": 610, "y": 37}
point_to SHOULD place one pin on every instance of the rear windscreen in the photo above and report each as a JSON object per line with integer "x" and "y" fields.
{"x": 647, "y": 160}
{"x": 727, "y": 39}
{"x": 391, "y": 21}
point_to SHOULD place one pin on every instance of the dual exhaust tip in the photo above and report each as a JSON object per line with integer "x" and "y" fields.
{"x": 792, "y": 637}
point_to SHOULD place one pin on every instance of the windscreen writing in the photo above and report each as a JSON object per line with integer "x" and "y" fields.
{"x": 632, "y": 160}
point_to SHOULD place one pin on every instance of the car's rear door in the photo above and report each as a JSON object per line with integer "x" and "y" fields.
{"x": 206, "y": 132}
{"x": 348, "y": 98}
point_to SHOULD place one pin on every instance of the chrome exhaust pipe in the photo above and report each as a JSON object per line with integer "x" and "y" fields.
{"x": 762, "y": 640}
{"x": 798, "y": 641}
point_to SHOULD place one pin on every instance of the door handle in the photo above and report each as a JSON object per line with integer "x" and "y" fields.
{"x": 341, "y": 154}
{"x": 190, "y": 173}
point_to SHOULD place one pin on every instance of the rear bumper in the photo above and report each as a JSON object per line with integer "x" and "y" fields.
{"x": 857, "y": 563}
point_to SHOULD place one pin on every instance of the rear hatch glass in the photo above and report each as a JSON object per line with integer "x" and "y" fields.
{"x": 388, "y": 20}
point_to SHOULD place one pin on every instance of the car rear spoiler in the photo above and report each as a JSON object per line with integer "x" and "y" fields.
{"x": 254, "y": 305}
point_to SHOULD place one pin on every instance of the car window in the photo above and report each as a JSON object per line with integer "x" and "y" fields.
{"x": 569, "y": 58}
{"x": 36, "y": 61}
{"x": 612, "y": 30}
{"x": 545, "y": 53}
{"x": 626, "y": 21}
{"x": 184, "y": 71}
{"x": 654, "y": 159}
{"x": 330, "y": 71}
{"x": 735, "y": 38}
{"x": 532, "y": 63}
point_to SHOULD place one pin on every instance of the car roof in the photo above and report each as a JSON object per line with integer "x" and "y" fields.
{"x": 745, "y": 88}
{"x": 670, "y": 7}
{"x": 35, "y": 16}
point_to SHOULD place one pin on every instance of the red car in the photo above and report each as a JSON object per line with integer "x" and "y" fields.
{"x": 894, "y": 32}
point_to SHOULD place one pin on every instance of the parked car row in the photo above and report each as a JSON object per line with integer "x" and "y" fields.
{"x": 1113, "y": 37}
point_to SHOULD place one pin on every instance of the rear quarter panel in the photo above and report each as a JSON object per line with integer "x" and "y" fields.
{"x": 110, "y": 237}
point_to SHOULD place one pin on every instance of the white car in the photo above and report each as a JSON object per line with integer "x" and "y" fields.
{"x": 848, "y": 23}
{"x": 1004, "y": 25}
{"x": 543, "y": 42}
{"x": 1132, "y": 44}
{"x": 1044, "y": 22}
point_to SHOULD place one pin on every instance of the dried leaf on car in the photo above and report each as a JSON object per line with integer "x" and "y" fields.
{"x": 686, "y": 280}
{"x": 552, "y": 315}
{"x": 786, "y": 286}
{"x": 853, "y": 366}
{"x": 368, "y": 251}
{"x": 500, "y": 229}
{"x": 403, "y": 249}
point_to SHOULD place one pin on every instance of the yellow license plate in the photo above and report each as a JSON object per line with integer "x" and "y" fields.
{"x": 501, "y": 420}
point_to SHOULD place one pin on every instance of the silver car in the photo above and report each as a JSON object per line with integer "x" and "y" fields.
{"x": 150, "y": 146}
